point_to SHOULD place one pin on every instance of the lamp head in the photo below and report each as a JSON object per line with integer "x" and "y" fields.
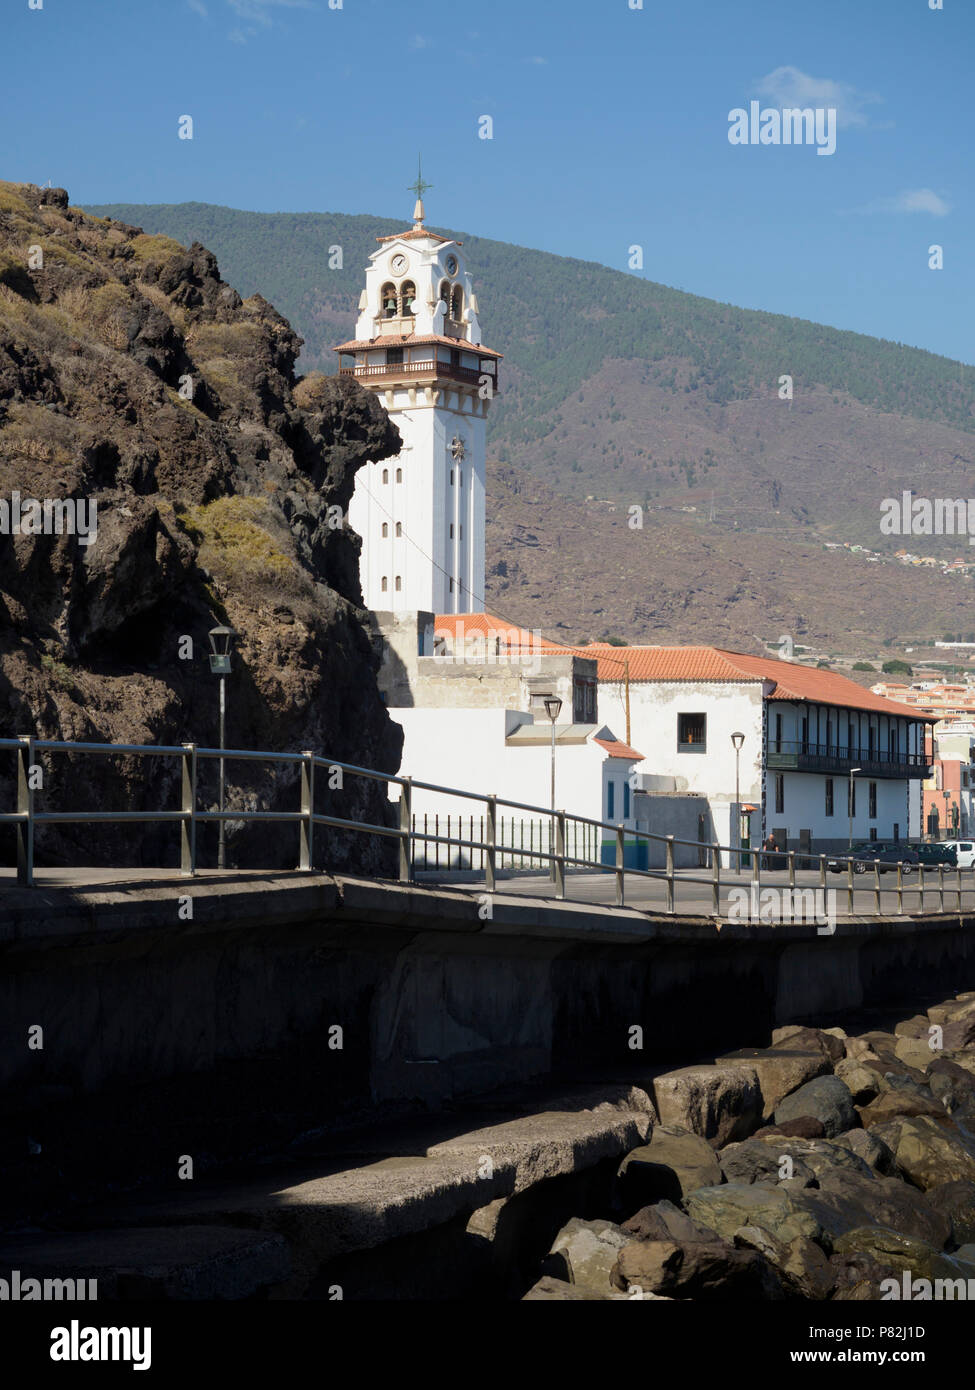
{"x": 553, "y": 707}
{"x": 737, "y": 739}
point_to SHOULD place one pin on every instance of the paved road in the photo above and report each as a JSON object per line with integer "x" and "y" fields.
{"x": 737, "y": 898}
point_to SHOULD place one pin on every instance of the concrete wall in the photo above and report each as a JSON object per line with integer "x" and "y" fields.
{"x": 163, "y": 1037}
{"x": 660, "y": 814}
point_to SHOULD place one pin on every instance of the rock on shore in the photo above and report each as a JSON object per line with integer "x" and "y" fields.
{"x": 815, "y": 1168}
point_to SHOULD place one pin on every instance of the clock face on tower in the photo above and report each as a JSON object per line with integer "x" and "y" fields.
{"x": 398, "y": 264}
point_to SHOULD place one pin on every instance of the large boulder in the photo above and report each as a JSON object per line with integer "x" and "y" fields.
{"x": 808, "y": 1159}
{"x": 857, "y": 1276}
{"x": 671, "y": 1165}
{"x": 826, "y": 1099}
{"x": 915, "y": 1052}
{"x": 584, "y": 1252}
{"x": 709, "y": 1272}
{"x": 664, "y": 1221}
{"x": 956, "y": 1203}
{"x": 720, "y": 1103}
{"x": 873, "y": 1151}
{"x": 846, "y": 1200}
{"x": 863, "y": 1083}
{"x": 901, "y": 1096}
{"x": 915, "y": 1027}
{"x": 900, "y": 1252}
{"x": 796, "y": 1038}
{"x": 753, "y": 1161}
{"x": 928, "y": 1152}
{"x": 801, "y": 1265}
{"x": 780, "y": 1071}
{"x": 951, "y": 1084}
{"x": 776, "y": 1210}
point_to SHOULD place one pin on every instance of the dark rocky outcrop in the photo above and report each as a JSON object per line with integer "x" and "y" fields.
{"x": 131, "y": 376}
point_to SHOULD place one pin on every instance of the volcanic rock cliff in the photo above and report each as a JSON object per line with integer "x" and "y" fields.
{"x": 131, "y": 376}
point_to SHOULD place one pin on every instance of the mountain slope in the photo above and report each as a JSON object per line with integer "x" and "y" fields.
{"x": 619, "y": 389}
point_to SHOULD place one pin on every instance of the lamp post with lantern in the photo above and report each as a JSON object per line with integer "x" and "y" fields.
{"x": 553, "y": 708}
{"x": 737, "y": 739}
{"x": 221, "y": 641}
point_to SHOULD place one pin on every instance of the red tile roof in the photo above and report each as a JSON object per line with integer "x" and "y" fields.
{"x": 790, "y": 681}
{"x": 615, "y": 749}
{"x": 416, "y": 340}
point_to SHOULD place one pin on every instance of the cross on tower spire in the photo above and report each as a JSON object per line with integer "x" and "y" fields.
{"x": 419, "y": 188}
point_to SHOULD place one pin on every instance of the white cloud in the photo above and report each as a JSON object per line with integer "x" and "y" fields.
{"x": 787, "y": 86}
{"x": 910, "y": 200}
{"x": 539, "y": 62}
{"x": 419, "y": 41}
{"x": 257, "y": 15}
{"x": 198, "y": 7}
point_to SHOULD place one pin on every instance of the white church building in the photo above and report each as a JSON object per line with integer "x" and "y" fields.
{"x": 418, "y": 346}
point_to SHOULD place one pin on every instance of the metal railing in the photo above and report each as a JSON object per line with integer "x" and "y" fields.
{"x": 484, "y": 840}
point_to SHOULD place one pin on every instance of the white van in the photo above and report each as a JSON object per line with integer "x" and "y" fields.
{"x": 965, "y": 850}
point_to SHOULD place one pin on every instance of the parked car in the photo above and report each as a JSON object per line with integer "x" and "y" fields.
{"x": 964, "y": 852}
{"x": 884, "y": 855}
{"x": 935, "y": 852}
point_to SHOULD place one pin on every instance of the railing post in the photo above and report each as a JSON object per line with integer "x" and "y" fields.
{"x": 920, "y": 887}
{"x": 849, "y": 887}
{"x": 792, "y": 880}
{"x": 958, "y": 873}
{"x": 620, "y": 853}
{"x": 900, "y": 887}
{"x": 490, "y": 863}
{"x": 876, "y": 887}
{"x": 187, "y": 829}
{"x": 406, "y": 831}
{"x": 306, "y": 826}
{"x": 670, "y": 874}
{"x": 716, "y": 873}
{"x": 941, "y": 887}
{"x": 559, "y": 860}
{"x": 822, "y": 872}
{"x": 25, "y": 805}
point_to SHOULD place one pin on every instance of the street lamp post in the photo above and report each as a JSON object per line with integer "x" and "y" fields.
{"x": 849, "y": 802}
{"x": 553, "y": 707}
{"x": 221, "y": 640}
{"x": 738, "y": 739}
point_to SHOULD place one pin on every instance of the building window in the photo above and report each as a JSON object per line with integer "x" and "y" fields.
{"x": 779, "y": 793}
{"x": 445, "y": 294}
{"x": 451, "y": 477}
{"x": 778, "y": 733}
{"x": 691, "y": 733}
{"x": 385, "y": 475}
{"x": 610, "y": 799}
{"x": 873, "y": 800}
{"x": 462, "y": 530}
{"x": 387, "y": 299}
{"x": 409, "y": 297}
{"x": 399, "y": 584}
{"x": 451, "y": 530}
{"x": 394, "y": 357}
{"x": 457, "y": 304}
{"x": 897, "y": 833}
{"x": 399, "y": 475}
{"x": 385, "y": 584}
{"x": 873, "y": 832}
{"x": 626, "y": 800}
{"x": 829, "y": 796}
{"x": 399, "y": 528}
{"x": 451, "y": 586}
{"x": 385, "y": 529}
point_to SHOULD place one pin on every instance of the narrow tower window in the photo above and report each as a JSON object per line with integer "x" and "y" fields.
{"x": 385, "y": 584}
{"x": 385, "y": 529}
{"x": 399, "y": 528}
{"x": 399, "y": 475}
{"x": 408, "y": 293}
{"x": 457, "y": 303}
{"x": 387, "y": 299}
{"x": 399, "y": 584}
{"x": 385, "y": 475}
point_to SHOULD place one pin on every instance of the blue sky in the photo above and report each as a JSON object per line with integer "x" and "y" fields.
{"x": 610, "y": 129}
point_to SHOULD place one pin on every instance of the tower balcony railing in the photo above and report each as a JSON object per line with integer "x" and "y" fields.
{"x": 429, "y": 366}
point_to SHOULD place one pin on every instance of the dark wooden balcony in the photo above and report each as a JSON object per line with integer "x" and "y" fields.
{"x": 785, "y": 755}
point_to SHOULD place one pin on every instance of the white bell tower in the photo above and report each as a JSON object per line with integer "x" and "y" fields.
{"x": 418, "y": 346}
